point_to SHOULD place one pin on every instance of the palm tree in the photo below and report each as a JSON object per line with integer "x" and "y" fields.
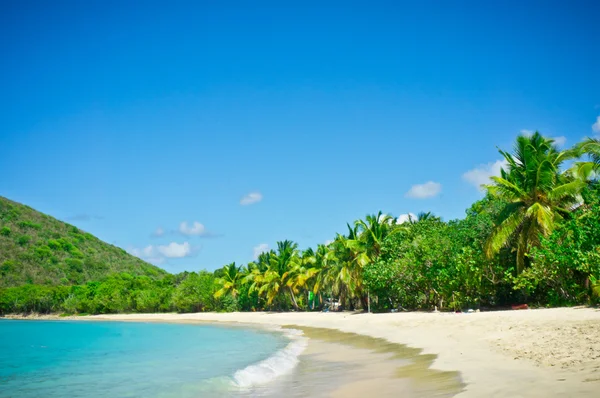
{"x": 300, "y": 272}
{"x": 591, "y": 148}
{"x": 537, "y": 195}
{"x": 346, "y": 259}
{"x": 372, "y": 231}
{"x": 230, "y": 281}
{"x": 275, "y": 277}
{"x": 427, "y": 216}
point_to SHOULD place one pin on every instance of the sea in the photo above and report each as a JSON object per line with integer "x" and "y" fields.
{"x": 136, "y": 359}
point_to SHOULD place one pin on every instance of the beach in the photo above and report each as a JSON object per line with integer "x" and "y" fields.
{"x": 527, "y": 353}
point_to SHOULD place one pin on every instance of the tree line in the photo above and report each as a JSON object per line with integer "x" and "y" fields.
{"x": 534, "y": 237}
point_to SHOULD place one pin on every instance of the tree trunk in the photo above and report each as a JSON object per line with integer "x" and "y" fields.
{"x": 364, "y": 302}
{"x": 294, "y": 303}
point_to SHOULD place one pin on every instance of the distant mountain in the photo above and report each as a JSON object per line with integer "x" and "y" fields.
{"x": 37, "y": 248}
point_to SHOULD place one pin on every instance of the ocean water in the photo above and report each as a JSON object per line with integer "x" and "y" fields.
{"x": 126, "y": 359}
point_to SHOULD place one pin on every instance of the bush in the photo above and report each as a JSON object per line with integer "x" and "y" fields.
{"x": 54, "y": 244}
{"x": 5, "y": 231}
{"x": 29, "y": 224}
{"x": 43, "y": 252}
{"x": 8, "y": 266}
{"x": 24, "y": 240}
{"x": 74, "y": 264}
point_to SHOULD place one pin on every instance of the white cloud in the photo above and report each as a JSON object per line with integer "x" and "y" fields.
{"x": 402, "y": 218}
{"x": 175, "y": 250}
{"x": 251, "y": 198}
{"x": 596, "y": 126}
{"x": 263, "y": 247}
{"x": 158, "y": 232}
{"x": 481, "y": 174}
{"x": 328, "y": 242}
{"x": 560, "y": 141}
{"x": 195, "y": 229}
{"x": 158, "y": 254}
{"x": 526, "y": 132}
{"x": 148, "y": 254}
{"x": 423, "y": 191}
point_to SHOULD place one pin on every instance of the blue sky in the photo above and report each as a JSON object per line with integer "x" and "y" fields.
{"x": 254, "y": 122}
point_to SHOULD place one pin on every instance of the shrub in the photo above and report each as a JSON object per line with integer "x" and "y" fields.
{"x": 54, "y": 244}
{"x": 5, "y": 231}
{"x": 8, "y": 266}
{"x": 74, "y": 264}
{"x": 43, "y": 252}
{"x": 24, "y": 240}
{"x": 29, "y": 224}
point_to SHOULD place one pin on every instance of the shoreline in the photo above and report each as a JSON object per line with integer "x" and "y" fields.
{"x": 530, "y": 353}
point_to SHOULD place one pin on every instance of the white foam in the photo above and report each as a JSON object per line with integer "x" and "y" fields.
{"x": 278, "y": 364}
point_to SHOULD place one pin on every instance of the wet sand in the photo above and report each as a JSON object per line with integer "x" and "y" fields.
{"x": 337, "y": 364}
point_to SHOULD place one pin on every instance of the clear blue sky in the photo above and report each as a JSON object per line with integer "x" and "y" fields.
{"x": 125, "y": 116}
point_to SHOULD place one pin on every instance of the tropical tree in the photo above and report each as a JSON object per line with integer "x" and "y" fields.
{"x": 537, "y": 193}
{"x": 346, "y": 260}
{"x": 590, "y": 169}
{"x": 372, "y": 231}
{"x": 230, "y": 281}
{"x": 301, "y": 272}
{"x": 277, "y": 278}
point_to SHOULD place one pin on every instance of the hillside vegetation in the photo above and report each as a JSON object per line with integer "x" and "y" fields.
{"x": 38, "y": 249}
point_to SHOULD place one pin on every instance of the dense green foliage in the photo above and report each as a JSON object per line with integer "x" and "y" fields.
{"x": 38, "y": 249}
{"x": 119, "y": 293}
{"x": 534, "y": 237}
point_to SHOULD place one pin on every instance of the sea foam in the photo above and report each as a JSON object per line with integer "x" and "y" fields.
{"x": 280, "y": 363}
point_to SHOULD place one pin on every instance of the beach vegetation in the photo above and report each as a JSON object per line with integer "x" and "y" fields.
{"x": 533, "y": 238}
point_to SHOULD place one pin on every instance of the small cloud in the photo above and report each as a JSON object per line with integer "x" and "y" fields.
{"x": 158, "y": 233}
{"x": 423, "y": 191}
{"x": 481, "y": 175}
{"x": 560, "y": 141}
{"x": 262, "y": 248}
{"x": 596, "y": 126}
{"x": 251, "y": 198}
{"x": 175, "y": 250}
{"x": 527, "y": 132}
{"x": 147, "y": 254}
{"x": 328, "y": 242}
{"x": 195, "y": 229}
{"x": 158, "y": 254}
{"x": 405, "y": 218}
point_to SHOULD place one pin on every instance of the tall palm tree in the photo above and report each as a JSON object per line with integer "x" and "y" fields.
{"x": 230, "y": 281}
{"x": 537, "y": 195}
{"x": 300, "y": 273}
{"x": 324, "y": 257}
{"x": 345, "y": 262}
{"x": 277, "y": 277}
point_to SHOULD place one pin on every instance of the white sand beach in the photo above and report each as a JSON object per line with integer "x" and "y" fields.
{"x": 528, "y": 353}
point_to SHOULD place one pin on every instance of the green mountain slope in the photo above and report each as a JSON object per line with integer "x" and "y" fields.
{"x": 37, "y": 248}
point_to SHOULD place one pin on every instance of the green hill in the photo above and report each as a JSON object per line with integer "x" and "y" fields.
{"x": 37, "y": 248}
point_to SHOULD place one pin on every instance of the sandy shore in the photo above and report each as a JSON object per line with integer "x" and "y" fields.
{"x": 531, "y": 353}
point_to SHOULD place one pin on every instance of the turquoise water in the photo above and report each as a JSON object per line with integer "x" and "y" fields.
{"x": 126, "y": 359}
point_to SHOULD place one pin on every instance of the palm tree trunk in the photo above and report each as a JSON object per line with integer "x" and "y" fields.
{"x": 294, "y": 303}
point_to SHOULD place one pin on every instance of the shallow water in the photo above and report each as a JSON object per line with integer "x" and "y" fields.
{"x": 122, "y": 359}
